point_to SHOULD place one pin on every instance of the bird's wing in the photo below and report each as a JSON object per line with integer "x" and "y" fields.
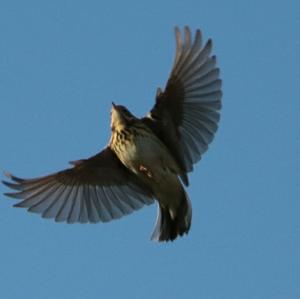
{"x": 186, "y": 114}
{"x": 96, "y": 189}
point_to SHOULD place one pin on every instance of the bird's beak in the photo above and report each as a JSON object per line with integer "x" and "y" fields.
{"x": 114, "y": 108}
{"x": 117, "y": 118}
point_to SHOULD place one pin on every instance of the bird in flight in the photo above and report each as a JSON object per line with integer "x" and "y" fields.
{"x": 146, "y": 159}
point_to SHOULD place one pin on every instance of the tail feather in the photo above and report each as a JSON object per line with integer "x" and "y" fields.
{"x": 168, "y": 228}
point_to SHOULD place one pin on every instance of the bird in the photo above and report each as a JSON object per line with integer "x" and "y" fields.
{"x": 147, "y": 159}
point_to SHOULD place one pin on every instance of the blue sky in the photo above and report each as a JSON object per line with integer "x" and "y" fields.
{"x": 61, "y": 65}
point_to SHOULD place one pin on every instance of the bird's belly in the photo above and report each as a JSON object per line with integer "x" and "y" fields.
{"x": 151, "y": 161}
{"x": 146, "y": 156}
{"x": 145, "y": 152}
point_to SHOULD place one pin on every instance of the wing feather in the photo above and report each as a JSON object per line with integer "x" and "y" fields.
{"x": 186, "y": 114}
{"x": 96, "y": 189}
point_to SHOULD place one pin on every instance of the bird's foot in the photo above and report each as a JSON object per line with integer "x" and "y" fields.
{"x": 145, "y": 171}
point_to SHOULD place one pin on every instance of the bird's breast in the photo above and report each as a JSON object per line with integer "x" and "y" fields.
{"x": 140, "y": 149}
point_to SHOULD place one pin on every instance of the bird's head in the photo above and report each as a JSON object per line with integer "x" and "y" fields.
{"x": 120, "y": 117}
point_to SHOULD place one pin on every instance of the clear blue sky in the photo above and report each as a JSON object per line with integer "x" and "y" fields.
{"x": 61, "y": 65}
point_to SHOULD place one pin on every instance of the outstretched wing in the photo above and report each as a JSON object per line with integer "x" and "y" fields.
{"x": 186, "y": 113}
{"x": 96, "y": 189}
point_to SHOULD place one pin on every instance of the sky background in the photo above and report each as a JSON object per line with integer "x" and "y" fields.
{"x": 62, "y": 63}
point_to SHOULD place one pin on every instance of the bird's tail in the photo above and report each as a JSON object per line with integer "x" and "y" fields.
{"x": 168, "y": 228}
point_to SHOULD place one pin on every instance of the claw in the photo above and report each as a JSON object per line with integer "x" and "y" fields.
{"x": 144, "y": 170}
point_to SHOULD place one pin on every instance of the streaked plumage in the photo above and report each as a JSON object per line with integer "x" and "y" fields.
{"x": 146, "y": 158}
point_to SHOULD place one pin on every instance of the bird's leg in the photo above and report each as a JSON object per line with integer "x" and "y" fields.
{"x": 146, "y": 171}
